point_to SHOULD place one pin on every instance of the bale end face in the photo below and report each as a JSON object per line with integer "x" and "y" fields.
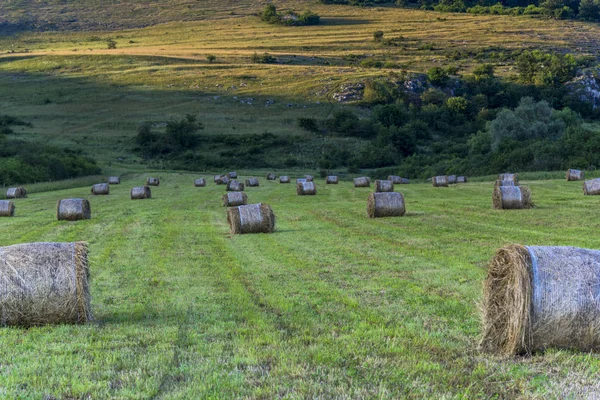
{"x": 251, "y": 218}
{"x": 385, "y": 204}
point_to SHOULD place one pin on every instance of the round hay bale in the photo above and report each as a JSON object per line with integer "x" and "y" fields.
{"x": 440, "y": 181}
{"x": 252, "y": 182}
{"x": 385, "y": 204}
{"x": 152, "y": 182}
{"x": 235, "y": 186}
{"x": 309, "y": 178}
{"x": 300, "y": 180}
{"x": 200, "y": 182}
{"x": 461, "y": 179}
{"x": 306, "y": 189}
{"x": 451, "y": 179}
{"x": 44, "y": 283}
{"x": 221, "y": 179}
{"x": 73, "y": 210}
{"x": 331, "y": 180}
{"x": 141, "y": 192}
{"x": 114, "y": 180}
{"x": 509, "y": 177}
{"x": 284, "y": 179}
{"x": 251, "y": 218}
{"x": 511, "y": 198}
{"x": 362, "y": 181}
{"x": 7, "y": 208}
{"x": 232, "y": 199}
{"x": 232, "y": 175}
{"x": 271, "y": 176}
{"x": 504, "y": 183}
{"x": 575, "y": 175}
{"x": 591, "y": 187}
{"x": 16, "y": 193}
{"x": 537, "y": 297}
{"x": 396, "y": 180}
{"x": 216, "y": 178}
{"x": 405, "y": 181}
{"x": 383, "y": 186}
{"x": 100, "y": 189}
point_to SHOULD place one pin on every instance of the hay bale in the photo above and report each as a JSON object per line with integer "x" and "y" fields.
{"x": 100, "y": 189}
{"x": 73, "y": 210}
{"x": 16, "y": 193}
{"x": 504, "y": 183}
{"x": 538, "y": 297}
{"x": 575, "y": 175}
{"x": 440, "y": 181}
{"x": 385, "y": 204}
{"x": 384, "y": 186}
{"x": 251, "y": 218}
{"x": 363, "y": 181}
{"x": 221, "y": 179}
{"x": 405, "y": 181}
{"x": 141, "y": 192}
{"x": 232, "y": 175}
{"x": 300, "y": 180}
{"x": 451, "y": 179}
{"x": 396, "y": 180}
{"x": 232, "y": 199}
{"x": 461, "y": 179}
{"x": 44, "y": 283}
{"x": 591, "y": 187}
{"x": 511, "y": 198}
{"x": 7, "y": 208}
{"x": 271, "y": 177}
{"x": 114, "y": 180}
{"x": 306, "y": 189}
{"x": 331, "y": 180}
{"x": 309, "y": 178}
{"x": 509, "y": 177}
{"x": 284, "y": 179}
{"x": 235, "y": 186}
{"x": 152, "y": 182}
{"x": 252, "y": 182}
{"x": 200, "y": 182}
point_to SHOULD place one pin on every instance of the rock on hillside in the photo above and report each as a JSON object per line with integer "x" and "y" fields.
{"x": 586, "y": 86}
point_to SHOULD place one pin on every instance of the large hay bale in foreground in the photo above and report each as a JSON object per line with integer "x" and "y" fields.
{"x": 396, "y": 180}
{"x": 284, "y": 179}
{"x": 439, "y": 181}
{"x": 271, "y": 176}
{"x": 251, "y": 218}
{"x": 591, "y": 187}
{"x": 575, "y": 175}
{"x": 200, "y": 182}
{"x": 141, "y": 192}
{"x": 16, "y": 193}
{"x": 538, "y": 297}
{"x": 461, "y": 179}
{"x": 252, "y": 182}
{"x": 362, "y": 181}
{"x": 511, "y": 198}
{"x": 232, "y": 175}
{"x": 504, "y": 183}
{"x": 309, "y": 178}
{"x": 332, "y": 180}
{"x": 385, "y": 204}
{"x": 232, "y": 199}
{"x": 384, "y": 186}
{"x": 235, "y": 186}
{"x": 44, "y": 283}
{"x": 306, "y": 189}
{"x": 509, "y": 177}
{"x": 451, "y": 179}
{"x": 101, "y": 189}
{"x": 152, "y": 182}
{"x": 7, "y": 208}
{"x": 73, "y": 210}
{"x": 114, "y": 180}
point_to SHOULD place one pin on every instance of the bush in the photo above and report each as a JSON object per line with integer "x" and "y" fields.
{"x": 437, "y": 76}
{"x": 266, "y": 58}
{"x": 308, "y": 124}
{"x": 378, "y": 36}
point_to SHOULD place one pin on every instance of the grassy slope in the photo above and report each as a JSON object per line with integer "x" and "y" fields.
{"x": 332, "y": 305}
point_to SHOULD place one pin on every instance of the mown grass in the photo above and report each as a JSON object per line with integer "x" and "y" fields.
{"x": 332, "y": 305}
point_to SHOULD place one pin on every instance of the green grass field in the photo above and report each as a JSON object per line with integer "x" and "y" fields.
{"x": 332, "y": 305}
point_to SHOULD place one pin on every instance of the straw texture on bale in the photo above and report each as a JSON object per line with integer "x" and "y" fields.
{"x": 306, "y": 189}
{"x": 7, "y": 208}
{"x": 396, "y": 180}
{"x": 235, "y": 186}
{"x": 511, "y": 198}
{"x": 575, "y": 175}
{"x": 538, "y": 297}
{"x": 284, "y": 179}
{"x": 271, "y": 176}
{"x": 332, "y": 180}
{"x": 152, "y": 182}
{"x": 451, "y": 179}
{"x": 309, "y": 178}
{"x": 461, "y": 179}
{"x": 363, "y": 181}
{"x": 200, "y": 182}
{"x": 385, "y": 204}
{"x": 16, "y": 193}
{"x": 114, "y": 180}
{"x": 73, "y": 210}
{"x": 232, "y": 199}
{"x": 232, "y": 175}
{"x": 591, "y": 187}
{"x": 440, "y": 181}
{"x": 384, "y": 186}
{"x": 251, "y": 218}
{"x": 44, "y": 283}
{"x": 101, "y": 188}
{"x": 504, "y": 183}
{"x": 252, "y": 182}
{"x": 509, "y": 177}
{"x": 141, "y": 192}
{"x": 222, "y": 180}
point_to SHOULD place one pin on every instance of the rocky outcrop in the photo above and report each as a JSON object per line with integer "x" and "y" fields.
{"x": 586, "y": 86}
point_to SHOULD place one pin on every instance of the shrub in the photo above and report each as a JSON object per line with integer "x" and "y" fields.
{"x": 308, "y": 124}
{"x": 210, "y": 58}
{"x": 378, "y": 36}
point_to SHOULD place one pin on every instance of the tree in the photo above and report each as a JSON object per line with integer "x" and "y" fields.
{"x": 437, "y": 76}
{"x": 378, "y": 36}
{"x": 269, "y": 14}
{"x": 589, "y": 10}
{"x": 211, "y": 58}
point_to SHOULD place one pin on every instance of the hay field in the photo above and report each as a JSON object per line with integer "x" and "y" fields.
{"x": 332, "y": 305}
